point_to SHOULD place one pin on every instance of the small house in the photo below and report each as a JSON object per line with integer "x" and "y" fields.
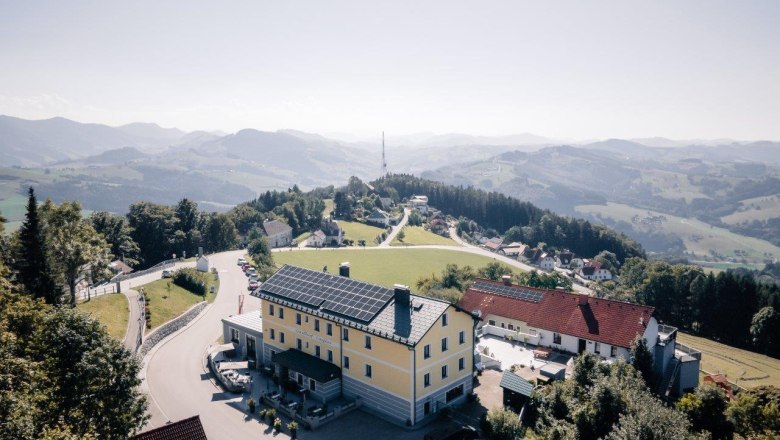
{"x": 202, "y": 264}
{"x": 246, "y": 332}
{"x": 334, "y": 234}
{"x": 279, "y": 233}
{"x": 316, "y": 239}
{"x": 379, "y": 218}
{"x": 546, "y": 261}
{"x": 419, "y": 203}
{"x": 513, "y": 250}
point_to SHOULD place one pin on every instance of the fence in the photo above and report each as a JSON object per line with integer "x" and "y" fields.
{"x": 94, "y": 291}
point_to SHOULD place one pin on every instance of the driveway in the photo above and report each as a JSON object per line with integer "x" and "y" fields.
{"x": 396, "y": 229}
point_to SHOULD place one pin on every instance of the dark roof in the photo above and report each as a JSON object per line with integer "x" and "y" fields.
{"x": 588, "y": 270}
{"x": 602, "y": 320}
{"x": 330, "y": 227}
{"x": 513, "y": 382}
{"x": 275, "y": 227}
{"x": 187, "y": 429}
{"x": 308, "y": 365}
{"x": 304, "y": 289}
{"x": 566, "y": 257}
{"x": 378, "y": 214}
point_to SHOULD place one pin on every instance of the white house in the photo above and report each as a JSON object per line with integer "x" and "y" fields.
{"x": 334, "y": 234}
{"x": 316, "y": 239}
{"x": 578, "y": 323}
{"x": 202, "y": 264}
{"x": 420, "y": 203}
{"x": 546, "y": 261}
{"x": 279, "y": 234}
{"x": 593, "y": 270}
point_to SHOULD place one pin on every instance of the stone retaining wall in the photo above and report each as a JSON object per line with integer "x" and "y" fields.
{"x": 170, "y": 327}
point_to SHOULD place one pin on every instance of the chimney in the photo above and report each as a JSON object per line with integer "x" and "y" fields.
{"x": 583, "y": 300}
{"x": 507, "y": 279}
{"x": 401, "y": 295}
{"x": 344, "y": 269}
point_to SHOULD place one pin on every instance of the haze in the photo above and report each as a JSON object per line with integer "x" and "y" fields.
{"x": 566, "y": 70}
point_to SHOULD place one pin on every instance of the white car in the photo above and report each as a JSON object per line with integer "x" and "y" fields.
{"x": 167, "y": 273}
{"x": 241, "y": 262}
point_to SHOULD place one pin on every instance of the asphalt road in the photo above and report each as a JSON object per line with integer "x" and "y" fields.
{"x": 396, "y": 229}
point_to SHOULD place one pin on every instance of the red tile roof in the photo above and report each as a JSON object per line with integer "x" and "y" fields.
{"x": 187, "y": 429}
{"x": 607, "y": 321}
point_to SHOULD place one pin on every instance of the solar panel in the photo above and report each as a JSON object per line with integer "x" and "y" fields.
{"x": 513, "y": 291}
{"x": 345, "y": 296}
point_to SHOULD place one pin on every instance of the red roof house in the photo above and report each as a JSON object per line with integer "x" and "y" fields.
{"x": 187, "y": 429}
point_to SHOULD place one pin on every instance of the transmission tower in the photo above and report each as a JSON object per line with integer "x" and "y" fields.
{"x": 384, "y": 162}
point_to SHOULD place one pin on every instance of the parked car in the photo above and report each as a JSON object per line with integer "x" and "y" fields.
{"x": 246, "y": 267}
{"x": 253, "y": 285}
{"x": 241, "y": 262}
{"x": 167, "y": 273}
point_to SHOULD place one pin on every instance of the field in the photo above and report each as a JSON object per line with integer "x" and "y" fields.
{"x": 358, "y": 231}
{"x": 165, "y": 304}
{"x": 383, "y": 266}
{"x": 417, "y": 235}
{"x": 699, "y": 237}
{"x": 745, "y": 368}
{"x": 758, "y": 208}
{"x": 671, "y": 185}
{"x": 112, "y": 310}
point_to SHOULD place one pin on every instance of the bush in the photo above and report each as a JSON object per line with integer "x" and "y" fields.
{"x": 271, "y": 415}
{"x": 190, "y": 279}
{"x": 277, "y": 424}
{"x": 293, "y": 428}
{"x": 251, "y": 404}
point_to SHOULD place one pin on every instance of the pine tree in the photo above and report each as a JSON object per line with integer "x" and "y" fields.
{"x": 31, "y": 258}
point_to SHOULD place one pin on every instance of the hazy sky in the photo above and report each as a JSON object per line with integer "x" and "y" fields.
{"x": 565, "y": 69}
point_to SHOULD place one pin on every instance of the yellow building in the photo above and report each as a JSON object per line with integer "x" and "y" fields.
{"x": 404, "y": 356}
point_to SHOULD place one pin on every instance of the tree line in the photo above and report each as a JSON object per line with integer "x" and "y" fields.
{"x": 528, "y": 223}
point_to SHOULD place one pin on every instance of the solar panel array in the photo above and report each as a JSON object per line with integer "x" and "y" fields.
{"x": 341, "y": 295}
{"x": 513, "y": 291}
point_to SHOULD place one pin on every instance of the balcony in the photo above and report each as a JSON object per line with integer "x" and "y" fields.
{"x": 666, "y": 332}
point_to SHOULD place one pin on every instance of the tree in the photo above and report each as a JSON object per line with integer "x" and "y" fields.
{"x": 503, "y": 424}
{"x": 415, "y": 219}
{"x": 220, "y": 233}
{"x": 342, "y": 208}
{"x": 118, "y": 234}
{"x": 706, "y": 409}
{"x": 153, "y": 227}
{"x": 77, "y": 250}
{"x": 189, "y": 222}
{"x": 401, "y": 235}
{"x": 608, "y": 261}
{"x": 260, "y": 251}
{"x": 642, "y": 360}
{"x": 32, "y": 261}
{"x": 494, "y": 271}
{"x": 765, "y": 331}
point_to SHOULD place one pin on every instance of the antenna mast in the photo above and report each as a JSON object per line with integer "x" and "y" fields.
{"x": 384, "y": 162}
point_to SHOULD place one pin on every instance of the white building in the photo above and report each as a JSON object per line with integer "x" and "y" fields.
{"x": 420, "y": 203}
{"x": 202, "y": 264}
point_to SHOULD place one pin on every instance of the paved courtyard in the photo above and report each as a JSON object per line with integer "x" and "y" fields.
{"x": 519, "y": 354}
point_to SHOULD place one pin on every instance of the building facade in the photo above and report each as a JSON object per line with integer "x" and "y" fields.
{"x": 405, "y": 357}
{"x": 246, "y": 331}
{"x": 279, "y": 234}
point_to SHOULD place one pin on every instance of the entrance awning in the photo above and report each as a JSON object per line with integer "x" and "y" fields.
{"x": 308, "y": 365}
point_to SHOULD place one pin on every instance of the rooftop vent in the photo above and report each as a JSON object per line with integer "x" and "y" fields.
{"x": 344, "y": 269}
{"x": 402, "y": 295}
{"x": 507, "y": 279}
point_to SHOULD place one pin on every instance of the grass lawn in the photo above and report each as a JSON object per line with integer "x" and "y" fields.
{"x": 417, "y": 235}
{"x": 745, "y": 368}
{"x": 165, "y": 305}
{"x": 358, "y": 231}
{"x": 383, "y": 266}
{"x": 112, "y": 310}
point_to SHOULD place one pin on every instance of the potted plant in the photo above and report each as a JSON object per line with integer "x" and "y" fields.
{"x": 270, "y": 415}
{"x": 277, "y": 424}
{"x": 293, "y": 428}
{"x": 262, "y": 414}
{"x": 251, "y": 404}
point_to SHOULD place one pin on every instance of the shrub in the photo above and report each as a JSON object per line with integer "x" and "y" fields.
{"x": 251, "y": 404}
{"x": 262, "y": 413}
{"x": 277, "y": 424}
{"x": 190, "y": 279}
{"x": 293, "y": 428}
{"x": 271, "y": 415}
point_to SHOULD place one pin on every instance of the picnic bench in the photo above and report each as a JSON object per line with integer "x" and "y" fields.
{"x": 542, "y": 352}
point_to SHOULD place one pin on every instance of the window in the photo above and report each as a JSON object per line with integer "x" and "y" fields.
{"x": 427, "y": 380}
{"x": 453, "y": 393}
{"x": 330, "y": 355}
{"x": 316, "y": 325}
{"x": 511, "y": 327}
{"x": 444, "y": 320}
{"x": 345, "y": 334}
{"x": 444, "y": 372}
{"x": 270, "y": 310}
{"x": 299, "y": 343}
{"x": 317, "y": 350}
{"x": 427, "y": 351}
{"x": 491, "y": 322}
{"x": 298, "y": 318}
{"x": 281, "y": 337}
{"x": 461, "y": 364}
{"x": 532, "y": 331}
{"x": 281, "y": 313}
{"x": 556, "y": 338}
{"x": 462, "y": 337}
{"x": 503, "y": 325}
{"x": 444, "y": 344}
{"x": 346, "y": 362}
{"x": 234, "y": 337}
{"x": 613, "y": 351}
{"x": 368, "y": 342}
{"x": 312, "y": 385}
{"x": 329, "y": 329}
{"x": 368, "y": 370}
{"x": 273, "y": 334}
{"x": 597, "y": 347}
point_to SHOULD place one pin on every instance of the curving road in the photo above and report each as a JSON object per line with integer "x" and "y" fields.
{"x": 396, "y": 229}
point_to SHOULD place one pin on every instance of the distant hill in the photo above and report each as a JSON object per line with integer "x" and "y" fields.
{"x": 34, "y": 143}
{"x": 151, "y": 131}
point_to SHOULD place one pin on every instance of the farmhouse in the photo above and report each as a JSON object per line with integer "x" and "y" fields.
{"x": 316, "y": 239}
{"x": 593, "y": 270}
{"x": 546, "y": 261}
{"x": 578, "y": 323}
{"x": 279, "y": 234}
{"x": 405, "y": 356}
{"x": 419, "y": 203}
{"x": 513, "y": 250}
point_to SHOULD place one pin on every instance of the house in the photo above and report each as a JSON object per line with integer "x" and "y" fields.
{"x": 578, "y": 323}
{"x": 246, "y": 332}
{"x": 439, "y": 226}
{"x": 405, "y": 356}
{"x": 202, "y": 264}
{"x": 546, "y": 261}
{"x": 532, "y": 254}
{"x": 186, "y": 429}
{"x": 419, "y": 203}
{"x": 379, "y": 218}
{"x": 493, "y": 244}
{"x": 118, "y": 267}
{"x": 317, "y": 239}
{"x": 513, "y": 250}
{"x": 279, "y": 233}
{"x": 563, "y": 260}
{"x": 576, "y": 263}
{"x": 334, "y": 234}
{"x": 593, "y": 270}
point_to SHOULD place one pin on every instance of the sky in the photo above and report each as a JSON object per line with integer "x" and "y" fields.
{"x": 562, "y": 69}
